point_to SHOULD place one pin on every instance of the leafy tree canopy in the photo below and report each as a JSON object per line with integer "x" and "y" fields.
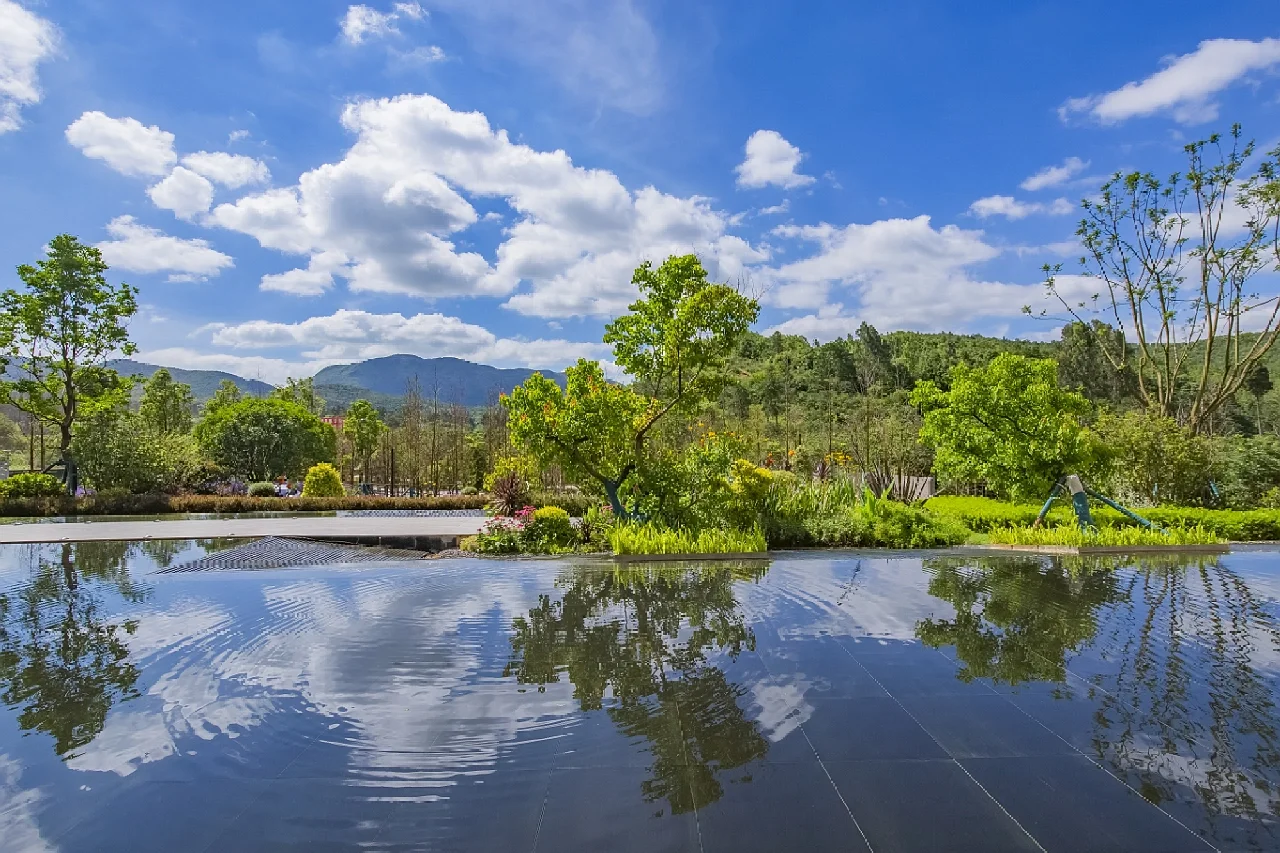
{"x": 260, "y": 438}
{"x": 1009, "y": 424}
{"x": 57, "y": 334}
{"x": 166, "y": 405}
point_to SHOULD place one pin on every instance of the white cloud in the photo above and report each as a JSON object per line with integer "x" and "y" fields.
{"x": 771, "y": 160}
{"x": 1052, "y": 176}
{"x": 348, "y": 335}
{"x": 1186, "y": 86}
{"x": 604, "y": 51}
{"x": 184, "y": 192}
{"x": 776, "y": 209}
{"x": 124, "y": 144}
{"x": 364, "y": 23}
{"x": 904, "y": 273}
{"x": 391, "y": 207}
{"x": 315, "y": 280}
{"x": 237, "y": 136}
{"x": 230, "y": 170}
{"x": 141, "y": 249}
{"x": 26, "y": 40}
{"x": 1010, "y": 208}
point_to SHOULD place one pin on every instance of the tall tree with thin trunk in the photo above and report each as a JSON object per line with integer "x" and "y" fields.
{"x": 1174, "y": 266}
{"x": 57, "y": 334}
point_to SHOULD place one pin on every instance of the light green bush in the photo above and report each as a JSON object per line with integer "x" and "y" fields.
{"x": 550, "y": 529}
{"x": 1105, "y": 537}
{"x": 32, "y": 486}
{"x": 648, "y": 539}
{"x": 262, "y": 490}
{"x": 323, "y": 481}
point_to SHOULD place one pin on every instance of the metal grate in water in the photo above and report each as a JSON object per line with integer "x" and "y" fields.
{"x": 273, "y": 552}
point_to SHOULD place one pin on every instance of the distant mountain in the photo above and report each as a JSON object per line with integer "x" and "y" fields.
{"x": 454, "y": 380}
{"x": 203, "y": 382}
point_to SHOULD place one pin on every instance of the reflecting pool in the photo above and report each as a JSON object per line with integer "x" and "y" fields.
{"x": 821, "y": 701}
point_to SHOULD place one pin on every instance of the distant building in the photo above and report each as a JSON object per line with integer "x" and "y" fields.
{"x": 335, "y": 421}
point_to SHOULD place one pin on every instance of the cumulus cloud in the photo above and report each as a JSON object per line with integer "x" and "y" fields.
{"x": 904, "y": 274}
{"x": 1052, "y": 176}
{"x": 124, "y": 144}
{"x": 183, "y": 192}
{"x": 1185, "y": 87}
{"x": 229, "y": 170}
{"x": 364, "y": 23}
{"x": 26, "y": 40}
{"x": 387, "y": 215}
{"x": 771, "y": 159}
{"x": 138, "y": 248}
{"x": 1011, "y": 208}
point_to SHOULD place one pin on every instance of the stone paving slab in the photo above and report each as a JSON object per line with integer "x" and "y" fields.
{"x": 353, "y": 529}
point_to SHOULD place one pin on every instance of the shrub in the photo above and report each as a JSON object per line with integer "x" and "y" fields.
{"x": 597, "y": 521}
{"x": 983, "y": 514}
{"x": 549, "y": 529}
{"x": 1250, "y": 470}
{"x": 574, "y": 503}
{"x": 649, "y": 539}
{"x": 1117, "y": 537}
{"x": 470, "y": 490}
{"x": 510, "y": 493}
{"x": 32, "y": 485}
{"x": 323, "y": 481}
{"x": 1155, "y": 460}
{"x": 262, "y": 490}
{"x": 840, "y": 514}
{"x": 500, "y": 535}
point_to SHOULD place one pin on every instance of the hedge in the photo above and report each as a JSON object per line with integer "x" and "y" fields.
{"x": 126, "y": 504}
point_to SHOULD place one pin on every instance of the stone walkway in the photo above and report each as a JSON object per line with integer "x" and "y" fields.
{"x": 387, "y": 531}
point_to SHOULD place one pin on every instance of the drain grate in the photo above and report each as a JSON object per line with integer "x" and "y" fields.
{"x": 274, "y": 552}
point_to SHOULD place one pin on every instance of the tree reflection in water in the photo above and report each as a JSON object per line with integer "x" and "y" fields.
{"x": 63, "y": 661}
{"x": 641, "y": 635}
{"x": 1168, "y": 650}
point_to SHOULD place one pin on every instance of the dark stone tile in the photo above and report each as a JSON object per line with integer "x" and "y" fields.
{"x": 1070, "y": 804}
{"x": 618, "y": 809}
{"x": 1091, "y": 725}
{"x": 312, "y": 814}
{"x": 923, "y": 673}
{"x": 857, "y": 729}
{"x": 160, "y": 816}
{"x": 914, "y": 806}
{"x": 771, "y": 807}
{"x": 595, "y": 740}
{"x": 983, "y": 726}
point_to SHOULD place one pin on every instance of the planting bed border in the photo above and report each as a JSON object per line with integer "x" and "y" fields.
{"x": 670, "y": 558}
{"x": 1072, "y": 550}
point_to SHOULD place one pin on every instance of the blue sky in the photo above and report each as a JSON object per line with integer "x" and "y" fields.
{"x": 296, "y": 184}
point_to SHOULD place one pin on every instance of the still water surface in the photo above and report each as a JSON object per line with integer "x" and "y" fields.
{"x": 819, "y": 702}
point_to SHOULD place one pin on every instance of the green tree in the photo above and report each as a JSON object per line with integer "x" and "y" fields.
{"x": 1083, "y": 365}
{"x": 302, "y": 392}
{"x": 362, "y": 427}
{"x": 166, "y": 405}
{"x": 260, "y": 438}
{"x": 117, "y": 449}
{"x": 1182, "y": 288}
{"x": 1009, "y": 424}
{"x": 56, "y": 335}
{"x": 1156, "y": 459}
{"x": 674, "y": 342}
{"x": 227, "y": 394}
{"x": 1258, "y": 383}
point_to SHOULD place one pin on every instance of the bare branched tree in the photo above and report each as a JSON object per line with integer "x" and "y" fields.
{"x": 1177, "y": 265}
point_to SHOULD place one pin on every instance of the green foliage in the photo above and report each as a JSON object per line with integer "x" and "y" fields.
{"x": 228, "y": 394}
{"x": 1249, "y": 468}
{"x": 551, "y": 529}
{"x": 117, "y": 449}
{"x": 262, "y": 438}
{"x": 651, "y": 539}
{"x": 1155, "y": 460}
{"x": 32, "y": 486}
{"x": 510, "y": 493}
{"x": 363, "y": 428}
{"x": 166, "y": 405}
{"x": 323, "y": 481}
{"x": 674, "y": 341}
{"x": 984, "y": 514}
{"x": 589, "y": 428}
{"x": 1008, "y": 424}
{"x": 841, "y": 514}
{"x": 1104, "y": 537}
{"x": 57, "y": 333}
{"x": 262, "y": 490}
{"x": 302, "y": 392}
